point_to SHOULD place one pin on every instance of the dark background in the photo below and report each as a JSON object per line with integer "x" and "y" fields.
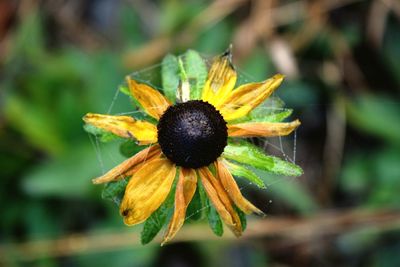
{"x": 60, "y": 59}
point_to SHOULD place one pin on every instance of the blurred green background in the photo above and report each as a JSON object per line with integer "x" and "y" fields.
{"x": 60, "y": 59}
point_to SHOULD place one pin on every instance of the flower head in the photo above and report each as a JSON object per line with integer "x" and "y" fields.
{"x": 192, "y": 146}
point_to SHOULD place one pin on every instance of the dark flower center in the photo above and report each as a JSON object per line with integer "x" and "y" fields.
{"x": 192, "y": 134}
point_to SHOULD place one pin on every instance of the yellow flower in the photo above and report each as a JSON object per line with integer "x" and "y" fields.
{"x": 188, "y": 137}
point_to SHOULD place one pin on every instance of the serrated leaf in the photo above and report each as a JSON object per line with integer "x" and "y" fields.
{"x": 242, "y": 217}
{"x": 271, "y": 110}
{"x": 196, "y": 71}
{"x": 130, "y": 148}
{"x": 158, "y": 219}
{"x": 249, "y": 154}
{"x": 214, "y": 220}
{"x": 114, "y": 191}
{"x": 170, "y": 76}
{"x": 240, "y": 171}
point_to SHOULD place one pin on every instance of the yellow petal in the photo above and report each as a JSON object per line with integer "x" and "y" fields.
{"x": 220, "y": 200}
{"x": 262, "y": 129}
{"x": 153, "y": 102}
{"x": 221, "y": 80}
{"x": 127, "y": 167}
{"x": 124, "y": 126}
{"x": 233, "y": 190}
{"x": 147, "y": 190}
{"x": 185, "y": 189}
{"x": 245, "y": 98}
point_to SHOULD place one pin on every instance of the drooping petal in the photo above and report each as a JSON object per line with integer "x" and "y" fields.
{"x": 220, "y": 200}
{"x": 248, "y": 96}
{"x": 221, "y": 80}
{"x": 147, "y": 190}
{"x": 153, "y": 102}
{"x": 185, "y": 190}
{"x": 128, "y": 167}
{"x": 124, "y": 126}
{"x": 262, "y": 129}
{"x": 233, "y": 190}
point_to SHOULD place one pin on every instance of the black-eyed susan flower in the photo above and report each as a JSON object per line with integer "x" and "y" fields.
{"x": 192, "y": 145}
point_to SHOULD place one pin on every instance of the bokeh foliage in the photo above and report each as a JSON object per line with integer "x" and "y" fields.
{"x": 345, "y": 90}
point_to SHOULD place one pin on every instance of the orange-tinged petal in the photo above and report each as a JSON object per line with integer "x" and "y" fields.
{"x": 262, "y": 129}
{"x": 124, "y": 126}
{"x": 153, "y": 102}
{"x": 233, "y": 190}
{"x": 147, "y": 190}
{"x": 248, "y": 96}
{"x": 220, "y": 200}
{"x": 127, "y": 167}
{"x": 185, "y": 189}
{"x": 221, "y": 80}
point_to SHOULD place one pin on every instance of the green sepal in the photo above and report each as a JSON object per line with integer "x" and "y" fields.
{"x": 196, "y": 72}
{"x": 241, "y": 171}
{"x": 214, "y": 220}
{"x": 130, "y": 148}
{"x": 249, "y": 154}
{"x": 242, "y": 217}
{"x": 102, "y": 135}
{"x": 114, "y": 191}
{"x": 170, "y": 76}
{"x": 158, "y": 218}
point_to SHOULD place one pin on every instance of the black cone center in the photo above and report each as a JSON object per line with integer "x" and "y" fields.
{"x": 192, "y": 134}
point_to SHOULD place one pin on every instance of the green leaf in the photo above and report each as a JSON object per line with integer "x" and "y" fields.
{"x": 125, "y": 90}
{"x": 242, "y": 217}
{"x": 130, "y": 148}
{"x": 249, "y": 154}
{"x": 214, "y": 220}
{"x": 275, "y": 116}
{"x": 268, "y": 116}
{"x": 157, "y": 220}
{"x": 240, "y": 171}
{"x": 103, "y": 136}
{"x": 195, "y": 208}
{"x": 170, "y": 76}
{"x": 271, "y": 110}
{"x": 196, "y": 71}
{"x": 114, "y": 191}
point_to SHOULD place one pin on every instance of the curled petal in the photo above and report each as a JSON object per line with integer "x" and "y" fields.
{"x": 129, "y": 166}
{"x": 124, "y": 126}
{"x": 185, "y": 190}
{"x": 153, "y": 102}
{"x": 221, "y": 201}
{"x": 262, "y": 129}
{"x": 147, "y": 190}
{"x": 221, "y": 80}
{"x": 233, "y": 190}
{"x": 245, "y": 98}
